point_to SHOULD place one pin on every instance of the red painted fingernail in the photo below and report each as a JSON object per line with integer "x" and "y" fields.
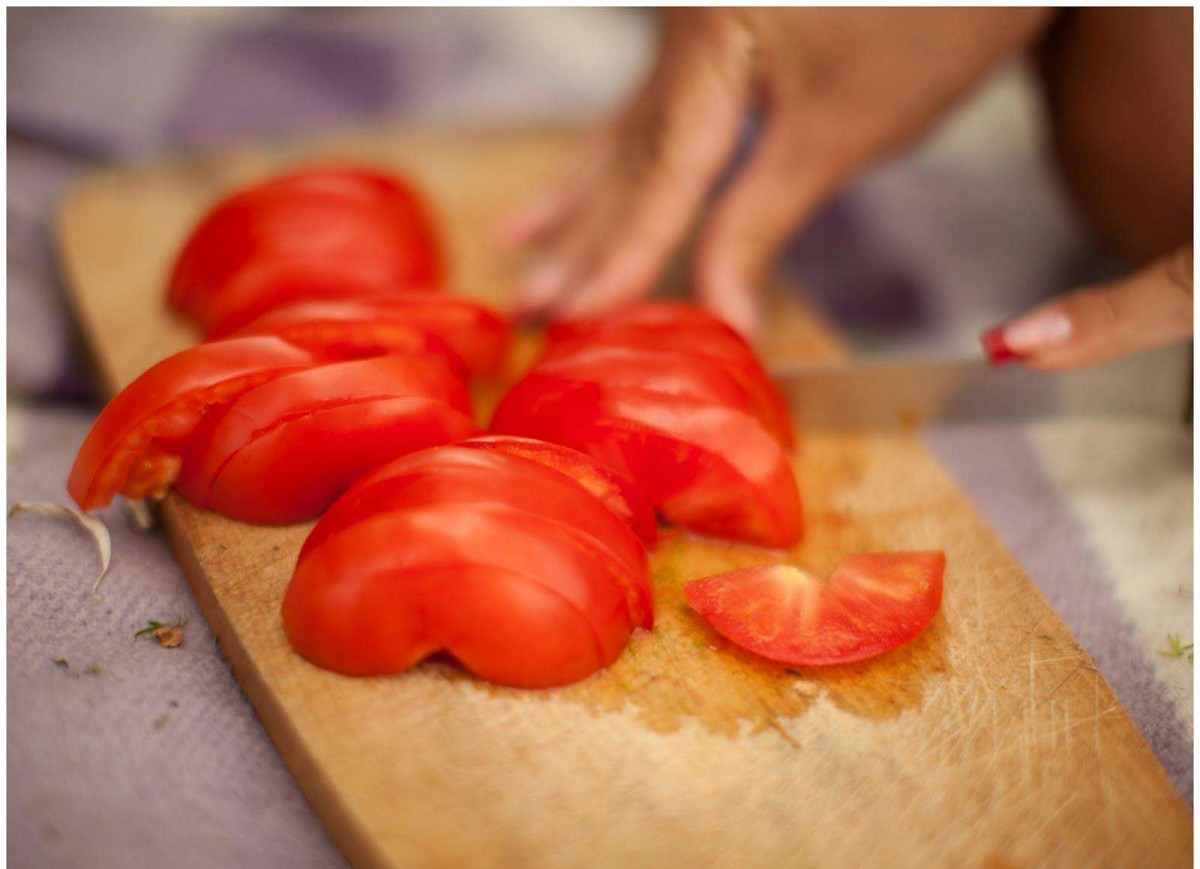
{"x": 996, "y": 347}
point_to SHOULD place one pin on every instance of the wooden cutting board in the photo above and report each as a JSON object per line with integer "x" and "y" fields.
{"x": 991, "y": 740}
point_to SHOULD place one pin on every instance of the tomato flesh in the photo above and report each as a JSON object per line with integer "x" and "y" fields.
{"x": 870, "y": 605}
{"x": 134, "y": 444}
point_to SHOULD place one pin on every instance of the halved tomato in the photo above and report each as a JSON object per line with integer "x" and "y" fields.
{"x": 677, "y": 372}
{"x": 328, "y": 232}
{"x": 471, "y": 477}
{"x": 505, "y": 626}
{"x": 284, "y": 451}
{"x": 135, "y": 444}
{"x": 870, "y": 605}
{"x": 615, "y": 491}
{"x": 704, "y": 466}
{"x": 400, "y": 323}
{"x": 537, "y": 585}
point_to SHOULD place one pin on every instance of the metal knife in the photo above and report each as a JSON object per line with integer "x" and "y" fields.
{"x": 910, "y": 392}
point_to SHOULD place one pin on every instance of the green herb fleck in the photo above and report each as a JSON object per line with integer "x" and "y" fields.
{"x": 62, "y": 662}
{"x": 167, "y": 635}
{"x": 1175, "y": 647}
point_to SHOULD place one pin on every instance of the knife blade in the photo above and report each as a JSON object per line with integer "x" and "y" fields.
{"x": 908, "y": 392}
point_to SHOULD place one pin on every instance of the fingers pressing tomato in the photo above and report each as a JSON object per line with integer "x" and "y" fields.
{"x": 675, "y": 400}
{"x": 329, "y": 233}
{"x": 870, "y": 605}
{"x": 523, "y": 575}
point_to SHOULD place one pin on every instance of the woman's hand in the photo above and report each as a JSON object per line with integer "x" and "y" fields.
{"x": 1150, "y": 308}
{"x": 836, "y": 89}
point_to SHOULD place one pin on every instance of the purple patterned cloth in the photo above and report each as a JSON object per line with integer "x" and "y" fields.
{"x": 153, "y": 756}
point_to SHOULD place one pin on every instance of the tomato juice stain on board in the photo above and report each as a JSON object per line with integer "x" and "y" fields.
{"x": 685, "y": 673}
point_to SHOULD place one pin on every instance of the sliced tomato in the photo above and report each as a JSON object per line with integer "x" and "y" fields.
{"x": 399, "y": 323}
{"x": 134, "y": 446}
{"x": 454, "y": 537}
{"x": 704, "y": 466}
{"x": 677, "y": 372}
{"x": 332, "y": 232}
{"x": 870, "y": 605}
{"x": 283, "y": 451}
{"x": 546, "y": 498}
{"x": 615, "y": 491}
{"x": 504, "y": 626}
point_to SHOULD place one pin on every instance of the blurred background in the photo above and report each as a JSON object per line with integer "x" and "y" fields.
{"x": 158, "y": 758}
{"x": 922, "y": 252}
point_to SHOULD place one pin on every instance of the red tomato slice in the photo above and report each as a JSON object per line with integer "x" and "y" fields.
{"x": 451, "y": 475}
{"x": 677, "y": 372}
{"x": 382, "y": 623}
{"x": 870, "y": 605}
{"x": 483, "y": 535}
{"x": 282, "y": 452}
{"x": 134, "y": 445}
{"x": 322, "y": 232}
{"x": 614, "y": 490}
{"x": 407, "y": 322}
{"x": 704, "y": 466}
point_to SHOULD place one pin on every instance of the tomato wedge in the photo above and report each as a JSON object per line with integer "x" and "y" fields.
{"x": 458, "y": 475}
{"x": 284, "y": 451}
{"x": 499, "y": 560}
{"x": 615, "y": 491}
{"x": 135, "y": 444}
{"x": 460, "y": 328}
{"x": 870, "y": 605}
{"x": 328, "y": 232}
{"x": 386, "y": 622}
{"x": 737, "y": 384}
{"x": 704, "y": 466}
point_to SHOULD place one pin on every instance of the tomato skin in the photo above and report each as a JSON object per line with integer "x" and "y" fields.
{"x": 615, "y": 490}
{"x": 284, "y": 451}
{"x": 484, "y": 537}
{"x": 733, "y": 383}
{"x": 132, "y": 445}
{"x": 384, "y": 623}
{"x": 324, "y": 232}
{"x": 459, "y": 474}
{"x": 705, "y": 466}
{"x": 503, "y": 562}
{"x": 678, "y": 327}
{"x": 871, "y": 604}
{"x": 402, "y": 322}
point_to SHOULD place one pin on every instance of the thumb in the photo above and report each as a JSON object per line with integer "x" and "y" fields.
{"x": 1150, "y": 308}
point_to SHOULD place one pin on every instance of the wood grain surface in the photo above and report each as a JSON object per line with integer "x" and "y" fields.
{"x": 991, "y": 740}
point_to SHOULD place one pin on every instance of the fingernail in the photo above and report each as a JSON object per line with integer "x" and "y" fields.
{"x": 1039, "y": 330}
{"x": 997, "y": 349}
